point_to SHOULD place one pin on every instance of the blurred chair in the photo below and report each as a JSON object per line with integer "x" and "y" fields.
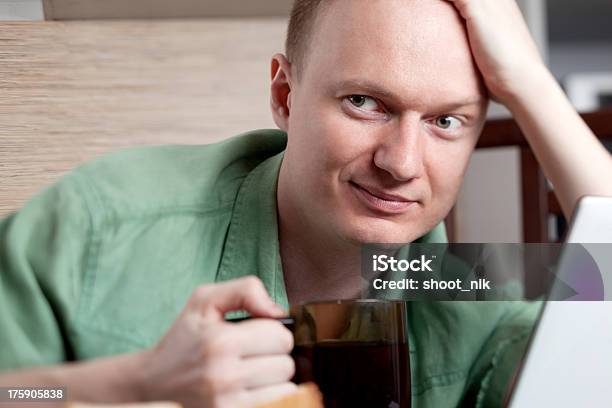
{"x": 543, "y": 220}
{"x": 540, "y": 206}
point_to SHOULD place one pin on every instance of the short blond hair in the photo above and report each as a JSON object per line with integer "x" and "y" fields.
{"x": 299, "y": 31}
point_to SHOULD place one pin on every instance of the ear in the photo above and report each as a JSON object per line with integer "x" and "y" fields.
{"x": 280, "y": 91}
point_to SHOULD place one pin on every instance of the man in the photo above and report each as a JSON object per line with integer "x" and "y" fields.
{"x": 382, "y": 102}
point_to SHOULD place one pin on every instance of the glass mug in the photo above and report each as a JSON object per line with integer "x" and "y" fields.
{"x": 356, "y": 351}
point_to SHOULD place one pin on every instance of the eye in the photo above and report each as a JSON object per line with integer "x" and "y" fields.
{"x": 447, "y": 122}
{"x": 363, "y": 102}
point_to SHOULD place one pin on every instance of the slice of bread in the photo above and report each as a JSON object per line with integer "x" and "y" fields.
{"x": 307, "y": 396}
{"x": 134, "y": 405}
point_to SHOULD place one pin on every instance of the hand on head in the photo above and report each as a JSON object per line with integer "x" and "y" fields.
{"x": 503, "y": 48}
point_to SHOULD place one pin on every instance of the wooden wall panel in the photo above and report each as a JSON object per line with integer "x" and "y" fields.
{"x": 97, "y": 9}
{"x": 71, "y": 91}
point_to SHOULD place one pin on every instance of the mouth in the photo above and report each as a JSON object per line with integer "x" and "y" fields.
{"x": 380, "y": 201}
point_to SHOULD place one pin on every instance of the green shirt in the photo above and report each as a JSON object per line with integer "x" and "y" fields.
{"x": 102, "y": 262}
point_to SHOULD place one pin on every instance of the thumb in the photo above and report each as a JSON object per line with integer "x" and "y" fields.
{"x": 247, "y": 293}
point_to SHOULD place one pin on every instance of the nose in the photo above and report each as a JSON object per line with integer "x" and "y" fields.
{"x": 400, "y": 153}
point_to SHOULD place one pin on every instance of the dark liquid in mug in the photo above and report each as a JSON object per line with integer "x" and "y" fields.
{"x": 356, "y": 374}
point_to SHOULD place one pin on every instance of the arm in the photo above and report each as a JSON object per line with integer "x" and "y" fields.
{"x": 43, "y": 250}
{"x": 572, "y": 158}
{"x": 112, "y": 380}
{"x": 570, "y": 155}
{"x": 202, "y": 361}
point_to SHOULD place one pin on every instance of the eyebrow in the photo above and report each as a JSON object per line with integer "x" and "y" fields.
{"x": 373, "y": 89}
{"x": 366, "y": 86}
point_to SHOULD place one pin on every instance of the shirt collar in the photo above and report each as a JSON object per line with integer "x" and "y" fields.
{"x": 252, "y": 246}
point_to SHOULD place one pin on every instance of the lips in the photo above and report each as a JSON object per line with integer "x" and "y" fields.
{"x": 380, "y": 201}
{"x": 383, "y": 196}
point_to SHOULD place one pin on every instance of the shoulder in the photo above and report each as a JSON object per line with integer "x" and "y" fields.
{"x": 175, "y": 177}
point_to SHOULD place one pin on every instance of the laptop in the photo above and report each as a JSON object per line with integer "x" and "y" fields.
{"x": 569, "y": 359}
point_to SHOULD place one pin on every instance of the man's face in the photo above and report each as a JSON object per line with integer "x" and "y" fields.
{"x": 383, "y": 119}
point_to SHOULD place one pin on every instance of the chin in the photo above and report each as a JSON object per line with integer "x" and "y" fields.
{"x": 382, "y": 232}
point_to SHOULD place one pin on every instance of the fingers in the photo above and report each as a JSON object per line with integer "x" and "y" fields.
{"x": 257, "y": 337}
{"x": 247, "y": 293}
{"x": 263, "y": 336}
{"x": 266, "y": 371}
{"x": 218, "y": 363}
{"x": 470, "y": 9}
{"x": 462, "y": 7}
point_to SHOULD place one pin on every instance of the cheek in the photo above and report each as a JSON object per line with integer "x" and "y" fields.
{"x": 446, "y": 168}
{"x": 331, "y": 140}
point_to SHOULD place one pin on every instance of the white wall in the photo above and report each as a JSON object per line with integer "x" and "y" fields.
{"x": 580, "y": 57}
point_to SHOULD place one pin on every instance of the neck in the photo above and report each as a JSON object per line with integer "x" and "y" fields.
{"x": 317, "y": 263}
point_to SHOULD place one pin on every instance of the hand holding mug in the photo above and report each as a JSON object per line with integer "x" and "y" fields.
{"x": 204, "y": 361}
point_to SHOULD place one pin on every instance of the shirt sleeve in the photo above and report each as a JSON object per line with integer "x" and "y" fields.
{"x": 43, "y": 250}
{"x": 494, "y": 372}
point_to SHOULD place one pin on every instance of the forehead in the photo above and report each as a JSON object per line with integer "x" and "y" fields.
{"x": 414, "y": 48}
